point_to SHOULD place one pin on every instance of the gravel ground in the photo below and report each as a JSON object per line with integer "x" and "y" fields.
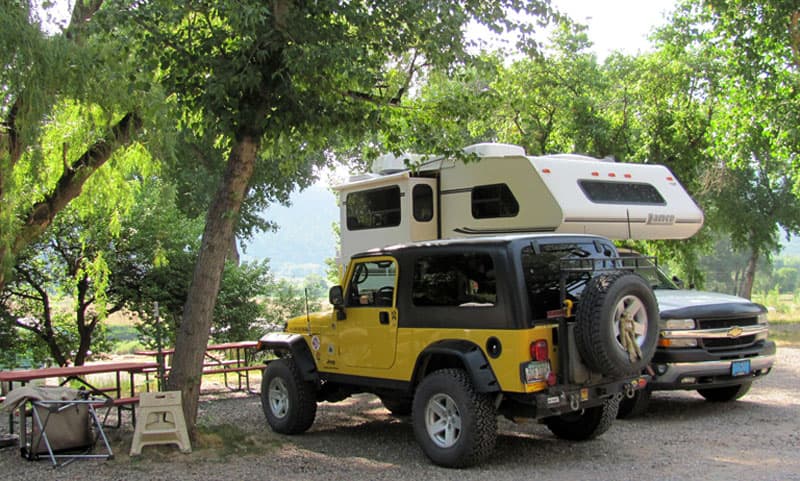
{"x": 681, "y": 437}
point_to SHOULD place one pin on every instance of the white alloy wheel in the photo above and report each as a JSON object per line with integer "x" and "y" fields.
{"x": 443, "y": 420}
{"x": 278, "y": 398}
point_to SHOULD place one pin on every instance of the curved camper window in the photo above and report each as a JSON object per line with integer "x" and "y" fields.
{"x": 373, "y": 209}
{"x": 496, "y": 200}
{"x": 609, "y": 192}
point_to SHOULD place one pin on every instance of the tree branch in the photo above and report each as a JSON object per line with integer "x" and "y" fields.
{"x": 70, "y": 185}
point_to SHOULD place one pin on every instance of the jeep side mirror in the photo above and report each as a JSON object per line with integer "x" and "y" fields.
{"x": 678, "y": 281}
{"x": 336, "y": 296}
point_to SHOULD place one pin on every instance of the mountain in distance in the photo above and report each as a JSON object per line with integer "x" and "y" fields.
{"x": 304, "y": 238}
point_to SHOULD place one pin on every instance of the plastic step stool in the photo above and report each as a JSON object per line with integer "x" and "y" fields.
{"x": 161, "y": 421}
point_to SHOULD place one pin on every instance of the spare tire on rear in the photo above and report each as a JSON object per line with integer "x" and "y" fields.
{"x": 617, "y": 323}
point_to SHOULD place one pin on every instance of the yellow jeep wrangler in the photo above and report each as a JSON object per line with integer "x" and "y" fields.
{"x": 455, "y": 332}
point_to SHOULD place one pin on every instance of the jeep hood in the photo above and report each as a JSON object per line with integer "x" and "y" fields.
{"x": 684, "y": 303}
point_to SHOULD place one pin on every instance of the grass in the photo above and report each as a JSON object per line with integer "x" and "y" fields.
{"x": 786, "y": 333}
{"x": 784, "y": 316}
{"x": 228, "y": 440}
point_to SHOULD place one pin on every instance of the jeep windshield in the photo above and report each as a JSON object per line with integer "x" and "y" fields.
{"x": 546, "y": 264}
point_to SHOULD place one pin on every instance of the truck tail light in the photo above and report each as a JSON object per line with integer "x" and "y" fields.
{"x": 540, "y": 350}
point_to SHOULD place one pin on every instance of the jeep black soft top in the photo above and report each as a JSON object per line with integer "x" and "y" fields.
{"x": 455, "y": 332}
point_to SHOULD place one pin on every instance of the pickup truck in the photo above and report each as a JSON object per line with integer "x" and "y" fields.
{"x": 713, "y": 343}
{"x": 457, "y": 332}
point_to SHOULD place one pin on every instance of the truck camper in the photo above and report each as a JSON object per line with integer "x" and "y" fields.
{"x": 501, "y": 190}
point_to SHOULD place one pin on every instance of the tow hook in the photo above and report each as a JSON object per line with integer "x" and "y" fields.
{"x": 574, "y": 402}
{"x": 629, "y": 391}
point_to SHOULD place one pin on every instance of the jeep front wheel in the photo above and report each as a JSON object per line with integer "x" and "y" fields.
{"x": 456, "y": 426}
{"x": 584, "y": 424}
{"x": 617, "y": 324}
{"x": 288, "y": 401}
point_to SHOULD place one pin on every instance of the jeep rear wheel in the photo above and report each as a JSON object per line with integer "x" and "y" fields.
{"x": 288, "y": 401}
{"x": 456, "y": 426}
{"x": 584, "y": 424}
{"x": 725, "y": 394}
{"x": 617, "y": 324}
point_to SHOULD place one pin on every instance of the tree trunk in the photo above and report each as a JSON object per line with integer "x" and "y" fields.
{"x": 749, "y": 275}
{"x": 233, "y": 253}
{"x": 193, "y": 333}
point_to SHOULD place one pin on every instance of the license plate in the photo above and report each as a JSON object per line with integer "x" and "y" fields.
{"x": 740, "y": 368}
{"x": 536, "y": 371}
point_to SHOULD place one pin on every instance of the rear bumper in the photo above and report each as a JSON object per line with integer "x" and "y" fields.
{"x": 562, "y": 399}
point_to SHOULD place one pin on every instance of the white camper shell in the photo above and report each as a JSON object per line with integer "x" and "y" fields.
{"x": 504, "y": 191}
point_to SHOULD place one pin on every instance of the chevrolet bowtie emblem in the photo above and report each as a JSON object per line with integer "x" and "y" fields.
{"x": 735, "y": 331}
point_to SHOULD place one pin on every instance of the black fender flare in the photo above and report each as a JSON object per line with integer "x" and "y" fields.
{"x": 295, "y": 344}
{"x": 471, "y": 357}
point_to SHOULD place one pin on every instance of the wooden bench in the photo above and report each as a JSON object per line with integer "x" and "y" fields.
{"x": 122, "y": 403}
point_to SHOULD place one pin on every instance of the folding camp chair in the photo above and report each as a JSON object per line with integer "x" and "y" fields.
{"x": 64, "y": 429}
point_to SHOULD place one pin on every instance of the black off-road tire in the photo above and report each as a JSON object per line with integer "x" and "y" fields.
{"x": 597, "y": 331}
{"x": 584, "y": 424}
{"x": 455, "y": 426}
{"x": 636, "y": 406}
{"x": 289, "y": 402}
{"x": 725, "y": 394}
{"x": 398, "y": 406}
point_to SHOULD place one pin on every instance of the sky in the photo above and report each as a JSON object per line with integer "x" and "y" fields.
{"x": 613, "y": 24}
{"x": 617, "y": 24}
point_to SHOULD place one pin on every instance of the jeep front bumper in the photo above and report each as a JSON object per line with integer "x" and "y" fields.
{"x": 678, "y": 370}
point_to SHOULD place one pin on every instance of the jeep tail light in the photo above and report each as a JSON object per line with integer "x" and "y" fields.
{"x": 540, "y": 350}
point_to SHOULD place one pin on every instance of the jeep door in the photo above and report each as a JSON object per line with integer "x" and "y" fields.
{"x": 368, "y": 334}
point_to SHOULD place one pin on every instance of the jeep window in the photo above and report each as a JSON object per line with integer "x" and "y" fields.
{"x": 423, "y": 202}
{"x": 496, "y": 200}
{"x": 543, "y": 265}
{"x": 372, "y": 209}
{"x": 610, "y": 192}
{"x": 372, "y": 284}
{"x": 463, "y": 280}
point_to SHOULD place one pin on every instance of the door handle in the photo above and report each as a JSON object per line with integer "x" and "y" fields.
{"x": 383, "y": 317}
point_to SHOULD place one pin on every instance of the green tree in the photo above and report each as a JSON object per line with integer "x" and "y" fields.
{"x": 278, "y": 100}
{"x": 79, "y": 70}
{"x": 752, "y": 185}
{"x": 65, "y": 267}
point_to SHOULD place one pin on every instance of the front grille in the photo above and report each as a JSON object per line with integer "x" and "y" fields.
{"x": 725, "y": 323}
{"x": 728, "y": 343}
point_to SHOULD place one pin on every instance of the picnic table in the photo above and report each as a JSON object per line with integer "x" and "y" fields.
{"x": 114, "y": 395}
{"x": 240, "y": 362}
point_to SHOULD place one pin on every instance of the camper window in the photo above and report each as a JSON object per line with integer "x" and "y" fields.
{"x": 610, "y": 192}
{"x": 372, "y": 209}
{"x": 423, "y": 203}
{"x": 496, "y": 200}
{"x": 462, "y": 280}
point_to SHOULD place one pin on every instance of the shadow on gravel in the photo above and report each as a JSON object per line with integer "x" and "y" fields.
{"x": 677, "y": 407}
